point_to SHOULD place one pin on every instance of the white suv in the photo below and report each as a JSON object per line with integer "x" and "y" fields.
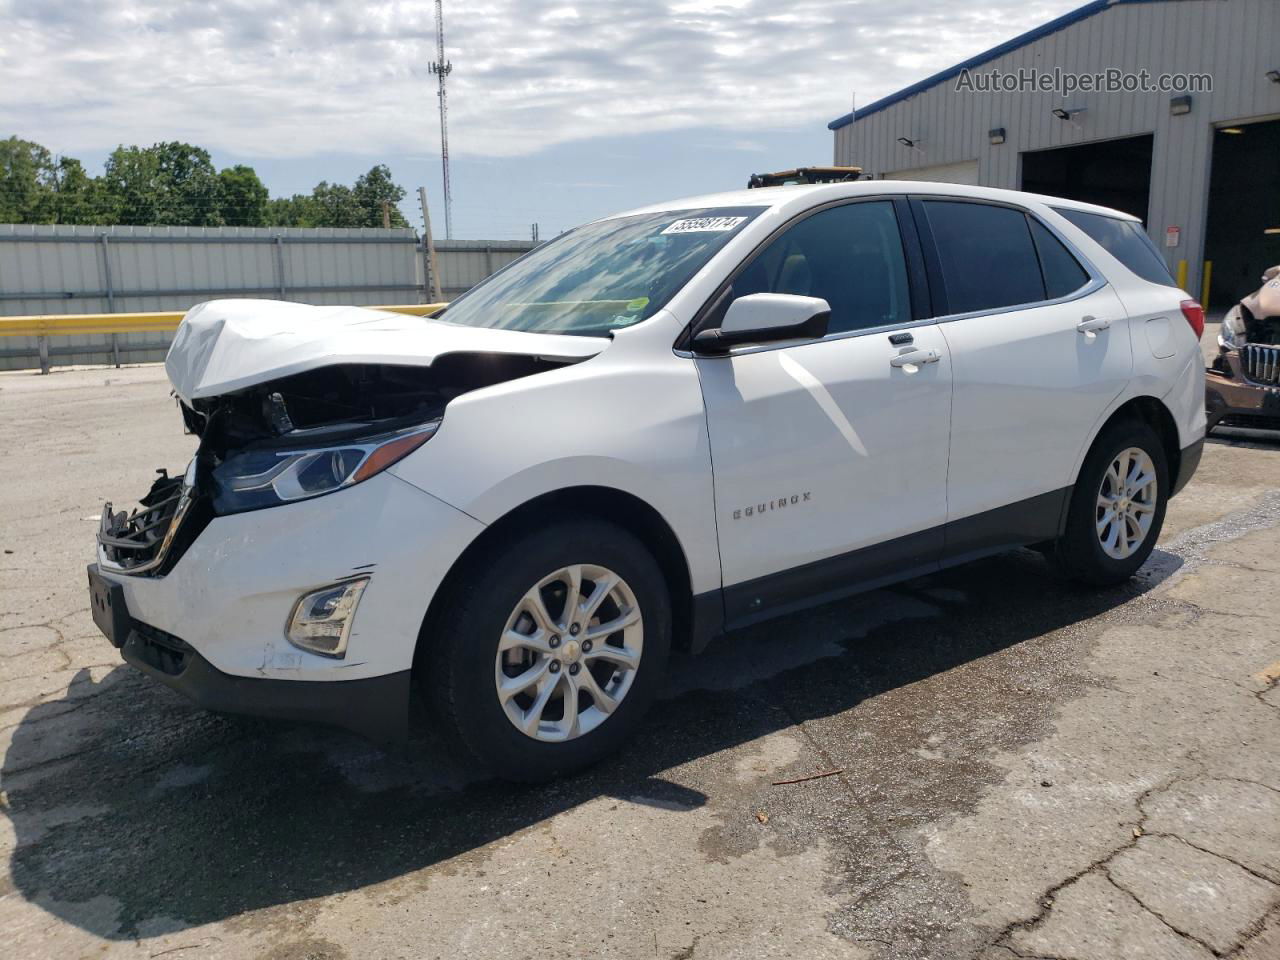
{"x": 650, "y": 431}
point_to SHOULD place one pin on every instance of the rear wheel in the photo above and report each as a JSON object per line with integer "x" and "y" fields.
{"x": 552, "y": 649}
{"x": 1117, "y": 506}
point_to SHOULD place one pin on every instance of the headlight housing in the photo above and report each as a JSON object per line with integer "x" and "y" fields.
{"x": 267, "y": 477}
{"x": 1232, "y": 336}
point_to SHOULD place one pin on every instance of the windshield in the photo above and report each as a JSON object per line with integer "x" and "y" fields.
{"x": 602, "y": 276}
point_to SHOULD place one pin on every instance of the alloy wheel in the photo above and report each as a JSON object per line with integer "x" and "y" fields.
{"x": 1126, "y": 503}
{"x": 569, "y": 652}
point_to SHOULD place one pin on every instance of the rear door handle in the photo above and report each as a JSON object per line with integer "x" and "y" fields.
{"x": 1090, "y": 326}
{"x": 914, "y": 358}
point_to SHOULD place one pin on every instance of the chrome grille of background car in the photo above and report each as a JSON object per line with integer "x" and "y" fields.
{"x": 1261, "y": 364}
{"x": 137, "y": 542}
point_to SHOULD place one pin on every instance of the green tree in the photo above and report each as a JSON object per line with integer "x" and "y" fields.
{"x": 295, "y": 211}
{"x": 80, "y": 198}
{"x": 167, "y": 184}
{"x": 371, "y": 190}
{"x": 337, "y": 205}
{"x": 26, "y": 182}
{"x": 242, "y": 197}
{"x": 334, "y": 205}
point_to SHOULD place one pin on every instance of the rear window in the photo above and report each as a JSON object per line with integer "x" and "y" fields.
{"x": 1126, "y": 241}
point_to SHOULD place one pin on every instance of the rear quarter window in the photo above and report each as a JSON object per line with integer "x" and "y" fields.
{"x": 1063, "y": 274}
{"x": 1126, "y": 241}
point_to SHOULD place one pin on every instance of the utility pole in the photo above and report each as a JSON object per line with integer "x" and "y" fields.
{"x": 442, "y": 68}
{"x": 386, "y": 214}
{"x": 431, "y": 274}
{"x": 533, "y": 232}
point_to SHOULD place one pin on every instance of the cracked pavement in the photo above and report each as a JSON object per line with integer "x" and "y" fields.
{"x": 1027, "y": 769}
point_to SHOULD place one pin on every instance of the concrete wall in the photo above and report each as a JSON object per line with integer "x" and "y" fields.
{"x": 72, "y": 269}
{"x": 1236, "y": 41}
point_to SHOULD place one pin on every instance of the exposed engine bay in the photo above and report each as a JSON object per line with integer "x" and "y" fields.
{"x": 322, "y": 424}
{"x": 345, "y": 400}
{"x": 1264, "y": 330}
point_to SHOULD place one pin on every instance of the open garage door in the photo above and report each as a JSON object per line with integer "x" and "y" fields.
{"x": 1244, "y": 207}
{"x": 1113, "y": 173}
{"x": 966, "y": 172}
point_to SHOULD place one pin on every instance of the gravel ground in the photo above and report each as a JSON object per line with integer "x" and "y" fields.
{"x": 1026, "y": 769}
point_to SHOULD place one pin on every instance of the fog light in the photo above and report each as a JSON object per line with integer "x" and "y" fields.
{"x": 321, "y": 620}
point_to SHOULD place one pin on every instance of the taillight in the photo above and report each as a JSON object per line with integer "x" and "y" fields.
{"x": 1194, "y": 313}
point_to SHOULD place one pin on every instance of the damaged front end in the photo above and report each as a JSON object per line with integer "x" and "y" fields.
{"x": 140, "y": 541}
{"x": 292, "y": 402}
{"x": 1242, "y": 387}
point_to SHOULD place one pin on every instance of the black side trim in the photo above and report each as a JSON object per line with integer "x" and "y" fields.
{"x": 1187, "y": 466}
{"x": 1028, "y": 521}
{"x": 832, "y": 578}
{"x": 707, "y": 620}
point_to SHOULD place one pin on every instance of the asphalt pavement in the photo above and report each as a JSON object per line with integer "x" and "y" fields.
{"x": 1024, "y": 768}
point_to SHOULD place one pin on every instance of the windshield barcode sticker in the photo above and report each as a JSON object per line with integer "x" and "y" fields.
{"x": 705, "y": 225}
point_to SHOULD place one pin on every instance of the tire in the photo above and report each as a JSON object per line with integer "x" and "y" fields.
{"x": 1089, "y": 551}
{"x": 462, "y": 669}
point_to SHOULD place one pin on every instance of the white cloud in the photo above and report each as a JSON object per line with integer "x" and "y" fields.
{"x": 279, "y": 78}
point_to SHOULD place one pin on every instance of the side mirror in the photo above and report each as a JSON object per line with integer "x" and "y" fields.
{"x": 767, "y": 318}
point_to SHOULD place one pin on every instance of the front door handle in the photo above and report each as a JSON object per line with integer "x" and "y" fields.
{"x": 1090, "y": 326}
{"x": 914, "y": 358}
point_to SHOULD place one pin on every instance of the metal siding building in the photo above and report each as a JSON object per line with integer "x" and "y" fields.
{"x": 81, "y": 269}
{"x": 1236, "y": 42}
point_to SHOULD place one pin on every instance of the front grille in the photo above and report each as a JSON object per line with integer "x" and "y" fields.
{"x": 137, "y": 542}
{"x": 1261, "y": 364}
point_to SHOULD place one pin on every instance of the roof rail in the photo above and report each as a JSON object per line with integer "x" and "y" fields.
{"x": 804, "y": 175}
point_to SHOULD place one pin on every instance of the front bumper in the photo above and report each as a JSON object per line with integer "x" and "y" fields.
{"x": 230, "y": 594}
{"x": 1231, "y": 399}
{"x": 375, "y": 707}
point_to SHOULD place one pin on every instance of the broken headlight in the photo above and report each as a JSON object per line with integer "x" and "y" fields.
{"x": 1232, "y": 335}
{"x": 252, "y": 479}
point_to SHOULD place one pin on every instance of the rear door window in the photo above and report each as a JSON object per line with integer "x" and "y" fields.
{"x": 1063, "y": 274}
{"x": 1126, "y": 241}
{"x": 987, "y": 257}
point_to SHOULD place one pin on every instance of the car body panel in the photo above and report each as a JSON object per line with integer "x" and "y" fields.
{"x": 1028, "y": 388}
{"x": 631, "y": 419}
{"x": 821, "y": 448}
{"x": 226, "y": 345}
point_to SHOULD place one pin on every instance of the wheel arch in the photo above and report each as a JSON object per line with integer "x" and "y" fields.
{"x": 1153, "y": 412}
{"x": 691, "y": 617}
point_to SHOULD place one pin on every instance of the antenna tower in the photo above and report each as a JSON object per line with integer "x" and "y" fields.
{"x": 442, "y": 68}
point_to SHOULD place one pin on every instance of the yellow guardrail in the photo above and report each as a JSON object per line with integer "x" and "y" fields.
{"x": 70, "y": 324}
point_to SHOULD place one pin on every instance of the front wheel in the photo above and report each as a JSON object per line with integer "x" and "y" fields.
{"x": 1117, "y": 506}
{"x": 552, "y": 649}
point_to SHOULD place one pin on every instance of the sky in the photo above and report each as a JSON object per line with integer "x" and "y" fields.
{"x": 559, "y": 112}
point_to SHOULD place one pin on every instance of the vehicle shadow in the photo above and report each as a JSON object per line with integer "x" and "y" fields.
{"x": 121, "y": 790}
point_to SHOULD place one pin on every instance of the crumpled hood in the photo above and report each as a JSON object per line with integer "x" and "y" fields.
{"x": 227, "y": 345}
{"x": 1266, "y": 302}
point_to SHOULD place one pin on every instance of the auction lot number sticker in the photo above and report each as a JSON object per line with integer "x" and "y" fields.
{"x": 705, "y": 225}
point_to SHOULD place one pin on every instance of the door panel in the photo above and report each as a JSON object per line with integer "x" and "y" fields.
{"x": 822, "y": 449}
{"x": 1029, "y": 387}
